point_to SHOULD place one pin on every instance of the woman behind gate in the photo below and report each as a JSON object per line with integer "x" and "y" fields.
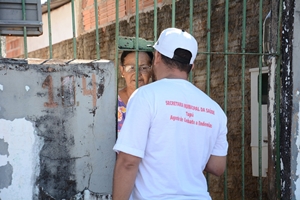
{"x": 128, "y": 72}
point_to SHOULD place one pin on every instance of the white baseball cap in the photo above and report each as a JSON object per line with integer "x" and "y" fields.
{"x": 171, "y": 39}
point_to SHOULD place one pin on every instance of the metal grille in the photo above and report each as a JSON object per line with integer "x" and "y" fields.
{"x": 233, "y": 36}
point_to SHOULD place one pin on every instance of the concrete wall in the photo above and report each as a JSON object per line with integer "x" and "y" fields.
{"x": 56, "y": 133}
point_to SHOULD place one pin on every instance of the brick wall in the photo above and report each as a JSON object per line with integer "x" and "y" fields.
{"x": 86, "y": 50}
{"x": 14, "y": 46}
{"x": 106, "y": 12}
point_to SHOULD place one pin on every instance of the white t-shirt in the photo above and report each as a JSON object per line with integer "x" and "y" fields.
{"x": 174, "y": 127}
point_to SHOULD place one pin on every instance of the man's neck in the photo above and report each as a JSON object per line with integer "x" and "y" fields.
{"x": 173, "y": 74}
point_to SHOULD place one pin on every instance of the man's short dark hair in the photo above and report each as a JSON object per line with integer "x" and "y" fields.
{"x": 125, "y": 53}
{"x": 180, "y": 60}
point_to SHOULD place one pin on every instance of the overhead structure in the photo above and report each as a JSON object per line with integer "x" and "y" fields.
{"x": 16, "y": 14}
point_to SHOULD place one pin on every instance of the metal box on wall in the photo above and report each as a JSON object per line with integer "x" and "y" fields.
{"x": 13, "y": 20}
{"x": 254, "y": 122}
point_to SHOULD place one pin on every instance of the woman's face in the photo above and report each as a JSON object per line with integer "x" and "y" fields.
{"x": 129, "y": 69}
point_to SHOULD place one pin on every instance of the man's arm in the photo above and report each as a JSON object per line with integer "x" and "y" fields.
{"x": 216, "y": 165}
{"x": 125, "y": 172}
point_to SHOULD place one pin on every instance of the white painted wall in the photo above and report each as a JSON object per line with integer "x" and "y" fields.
{"x": 61, "y": 28}
{"x": 23, "y": 149}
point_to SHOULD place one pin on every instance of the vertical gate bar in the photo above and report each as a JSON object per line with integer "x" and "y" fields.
{"x": 173, "y": 12}
{"x": 243, "y": 95}
{"x": 117, "y": 39}
{"x": 97, "y": 31}
{"x": 259, "y": 101}
{"x": 191, "y": 32}
{"x": 137, "y": 43}
{"x": 0, "y": 47}
{"x": 49, "y": 29}
{"x": 74, "y": 35}
{"x": 191, "y": 17}
{"x": 24, "y": 29}
{"x": 117, "y": 59}
{"x": 208, "y": 27}
{"x": 226, "y": 83}
{"x": 277, "y": 97}
{"x": 155, "y": 20}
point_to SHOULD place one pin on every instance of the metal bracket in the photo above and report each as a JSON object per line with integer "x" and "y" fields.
{"x": 129, "y": 43}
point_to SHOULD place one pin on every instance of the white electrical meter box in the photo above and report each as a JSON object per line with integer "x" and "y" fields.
{"x": 255, "y": 121}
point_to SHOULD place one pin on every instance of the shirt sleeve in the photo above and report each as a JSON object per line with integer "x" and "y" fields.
{"x": 221, "y": 145}
{"x": 132, "y": 138}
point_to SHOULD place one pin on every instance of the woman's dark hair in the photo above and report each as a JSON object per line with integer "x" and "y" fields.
{"x": 125, "y": 53}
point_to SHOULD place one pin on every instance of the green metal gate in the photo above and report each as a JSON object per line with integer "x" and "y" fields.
{"x": 259, "y": 55}
{"x": 233, "y": 38}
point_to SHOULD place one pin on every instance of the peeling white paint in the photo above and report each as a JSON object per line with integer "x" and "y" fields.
{"x": 1, "y": 87}
{"x": 23, "y": 156}
{"x": 27, "y": 88}
{"x": 272, "y": 99}
{"x": 289, "y": 69}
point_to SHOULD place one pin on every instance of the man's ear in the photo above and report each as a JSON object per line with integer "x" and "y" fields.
{"x": 157, "y": 56}
{"x": 192, "y": 66}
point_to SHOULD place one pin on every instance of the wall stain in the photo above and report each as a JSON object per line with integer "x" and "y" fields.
{"x": 87, "y": 194}
{"x": 57, "y": 174}
{"x": 43, "y": 195}
{"x": 101, "y": 87}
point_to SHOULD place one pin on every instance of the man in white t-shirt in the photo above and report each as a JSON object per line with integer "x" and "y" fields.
{"x": 172, "y": 132}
